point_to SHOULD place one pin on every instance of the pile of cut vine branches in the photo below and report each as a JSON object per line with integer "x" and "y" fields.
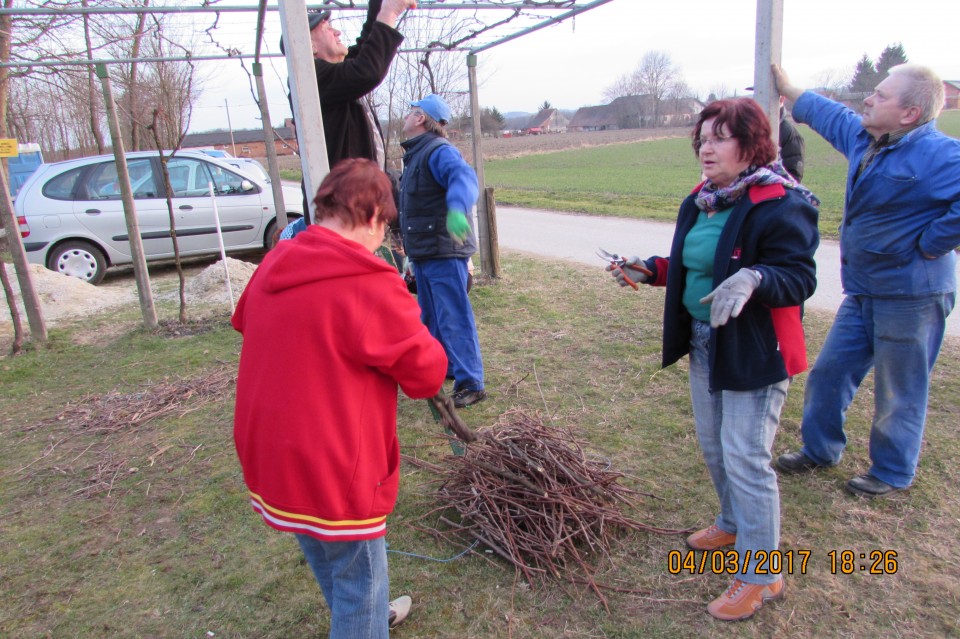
{"x": 532, "y": 495}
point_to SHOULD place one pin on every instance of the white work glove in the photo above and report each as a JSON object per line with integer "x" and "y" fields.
{"x": 630, "y": 269}
{"x": 728, "y": 299}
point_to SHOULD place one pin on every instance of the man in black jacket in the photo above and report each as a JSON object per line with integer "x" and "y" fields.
{"x": 345, "y": 76}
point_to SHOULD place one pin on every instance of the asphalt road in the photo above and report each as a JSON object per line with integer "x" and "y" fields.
{"x": 573, "y": 237}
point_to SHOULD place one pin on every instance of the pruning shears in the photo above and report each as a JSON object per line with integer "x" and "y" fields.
{"x": 619, "y": 261}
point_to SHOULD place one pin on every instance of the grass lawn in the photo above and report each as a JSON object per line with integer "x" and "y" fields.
{"x": 647, "y": 180}
{"x": 142, "y": 528}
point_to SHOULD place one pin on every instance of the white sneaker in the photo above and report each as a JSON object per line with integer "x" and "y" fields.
{"x": 399, "y": 609}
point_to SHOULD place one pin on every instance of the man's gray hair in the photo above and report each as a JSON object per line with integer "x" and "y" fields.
{"x": 432, "y": 125}
{"x": 924, "y": 89}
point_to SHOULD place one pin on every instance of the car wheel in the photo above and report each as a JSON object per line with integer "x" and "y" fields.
{"x": 271, "y": 236}
{"x": 79, "y": 259}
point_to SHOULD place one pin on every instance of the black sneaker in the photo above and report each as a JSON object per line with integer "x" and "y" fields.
{"x": 463, "y": 397}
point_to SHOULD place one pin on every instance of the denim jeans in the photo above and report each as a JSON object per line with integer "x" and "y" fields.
{"x": 446, "y": 311}
{"x": 736, "y": 431}
{"x": 354, "y": 581}
{"x": 900, "y": 338}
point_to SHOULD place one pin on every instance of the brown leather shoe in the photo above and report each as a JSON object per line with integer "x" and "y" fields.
{"x": 711, "y": 538}
{"x": 743, "y": 600}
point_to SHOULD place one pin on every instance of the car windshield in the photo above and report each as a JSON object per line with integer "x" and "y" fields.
{"x": 253, "y": 168}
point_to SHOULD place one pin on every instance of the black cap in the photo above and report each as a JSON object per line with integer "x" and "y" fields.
{"x": 314, "y": 18}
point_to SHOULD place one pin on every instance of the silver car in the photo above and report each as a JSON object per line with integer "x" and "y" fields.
{"x": 71, "y": 216}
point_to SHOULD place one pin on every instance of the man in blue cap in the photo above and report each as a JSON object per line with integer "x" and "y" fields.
{"x": 437, "y": 190}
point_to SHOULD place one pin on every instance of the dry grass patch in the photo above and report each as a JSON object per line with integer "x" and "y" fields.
{"x": 174, "y": 550}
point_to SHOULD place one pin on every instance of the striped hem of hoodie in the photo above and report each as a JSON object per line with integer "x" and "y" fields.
{"x": 323, "y": 529}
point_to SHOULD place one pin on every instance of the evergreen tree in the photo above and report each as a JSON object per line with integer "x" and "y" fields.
{"x": 891, "y": 57}
{"x": 865, "y": 77}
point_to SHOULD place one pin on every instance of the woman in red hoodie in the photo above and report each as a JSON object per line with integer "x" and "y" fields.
{"x": 322, "y": 311}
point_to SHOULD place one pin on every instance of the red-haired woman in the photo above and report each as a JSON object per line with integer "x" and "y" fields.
{"x": 324, "y": 314}
{"x": 739, "y": 269}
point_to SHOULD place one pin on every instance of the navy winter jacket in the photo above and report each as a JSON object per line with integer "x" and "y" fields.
{"x": 772, "y": 230}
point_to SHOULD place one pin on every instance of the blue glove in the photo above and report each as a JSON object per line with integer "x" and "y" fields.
{"x": 457, "y": 225}
{"x": 728, "y": 299}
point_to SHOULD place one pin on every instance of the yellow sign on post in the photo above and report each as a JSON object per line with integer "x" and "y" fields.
{"x": 8, "y": 148}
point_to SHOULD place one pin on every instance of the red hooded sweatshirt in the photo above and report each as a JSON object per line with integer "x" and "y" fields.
{"x": 329, "y": 331}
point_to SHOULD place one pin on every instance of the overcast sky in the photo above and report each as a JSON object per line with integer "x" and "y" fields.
{"x": 570, "y": 65}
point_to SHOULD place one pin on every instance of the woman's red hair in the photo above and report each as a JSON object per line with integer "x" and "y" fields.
{"x": 354, "y": 191}
{"x": 746, "y": 122}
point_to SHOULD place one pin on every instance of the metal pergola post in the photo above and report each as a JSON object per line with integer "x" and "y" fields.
{"x": 768, "y": 50}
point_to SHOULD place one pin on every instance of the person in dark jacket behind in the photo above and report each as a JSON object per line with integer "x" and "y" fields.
{"x": 901, "y": 224}
{"x": 437, "y": 191}
{"x": 740, "y": 268}
{"x": 345, "y": 76}
{"x": 322, "y": 309}
{"x": 792, "y": 146}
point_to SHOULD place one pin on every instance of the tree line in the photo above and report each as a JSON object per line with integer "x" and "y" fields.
{"x": 61, "y": 107}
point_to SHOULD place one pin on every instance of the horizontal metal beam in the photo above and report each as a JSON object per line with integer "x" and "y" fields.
{"x": 546, "y": 23}
{"x": 184, "y": 58}
{"x": 438, "y": 6}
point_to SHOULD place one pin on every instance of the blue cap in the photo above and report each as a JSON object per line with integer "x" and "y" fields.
{"x": 434, "y": 106}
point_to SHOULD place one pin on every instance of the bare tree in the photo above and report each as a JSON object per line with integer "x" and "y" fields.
{"x": 59, "y": 106}
{"x": 677, "y": 94}
{"x": 833, "y": 81}
{"x": 623, "y": 86}
{"x": 655, "y": 75}
{"x": 436, "y": 70}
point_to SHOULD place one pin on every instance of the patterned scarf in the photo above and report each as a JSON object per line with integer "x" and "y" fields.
{"x": 713, "y": 198}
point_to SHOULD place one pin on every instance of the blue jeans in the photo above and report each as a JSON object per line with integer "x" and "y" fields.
{"x": 354, "y": 581}
{"x": 446, "y": 311}
{"x": 736, "y": 431}
{"x": 900, "y": 338}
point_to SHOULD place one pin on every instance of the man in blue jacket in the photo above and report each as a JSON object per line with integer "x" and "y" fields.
{"x": 901, "y": 224}
{"x": 437, "y": 191}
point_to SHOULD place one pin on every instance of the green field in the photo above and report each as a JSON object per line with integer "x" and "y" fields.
{"x": 647, "y": 180}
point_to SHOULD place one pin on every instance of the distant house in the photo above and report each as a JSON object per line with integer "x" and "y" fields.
{"x": 247, "y": 143}
{"x": 680, "y": 111}
{"x": 951, "y": 91}
{"x": 547, "y": 121}
{"x": 627, "y": 112}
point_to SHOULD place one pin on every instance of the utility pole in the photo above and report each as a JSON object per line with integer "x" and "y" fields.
{"x": 233, "y": 144}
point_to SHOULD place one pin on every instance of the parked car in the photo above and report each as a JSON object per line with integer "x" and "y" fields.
{"x": 215, "y": 153}
{"x": 251, "y": 166}
{"x": 71, "y": 215}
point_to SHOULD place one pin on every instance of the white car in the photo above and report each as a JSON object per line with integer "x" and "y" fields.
{"x": 250, "y": 166}
{"x": 71, "y": 216}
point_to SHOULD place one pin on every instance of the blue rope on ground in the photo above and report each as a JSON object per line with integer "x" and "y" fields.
{"x": 442, "y": 561}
